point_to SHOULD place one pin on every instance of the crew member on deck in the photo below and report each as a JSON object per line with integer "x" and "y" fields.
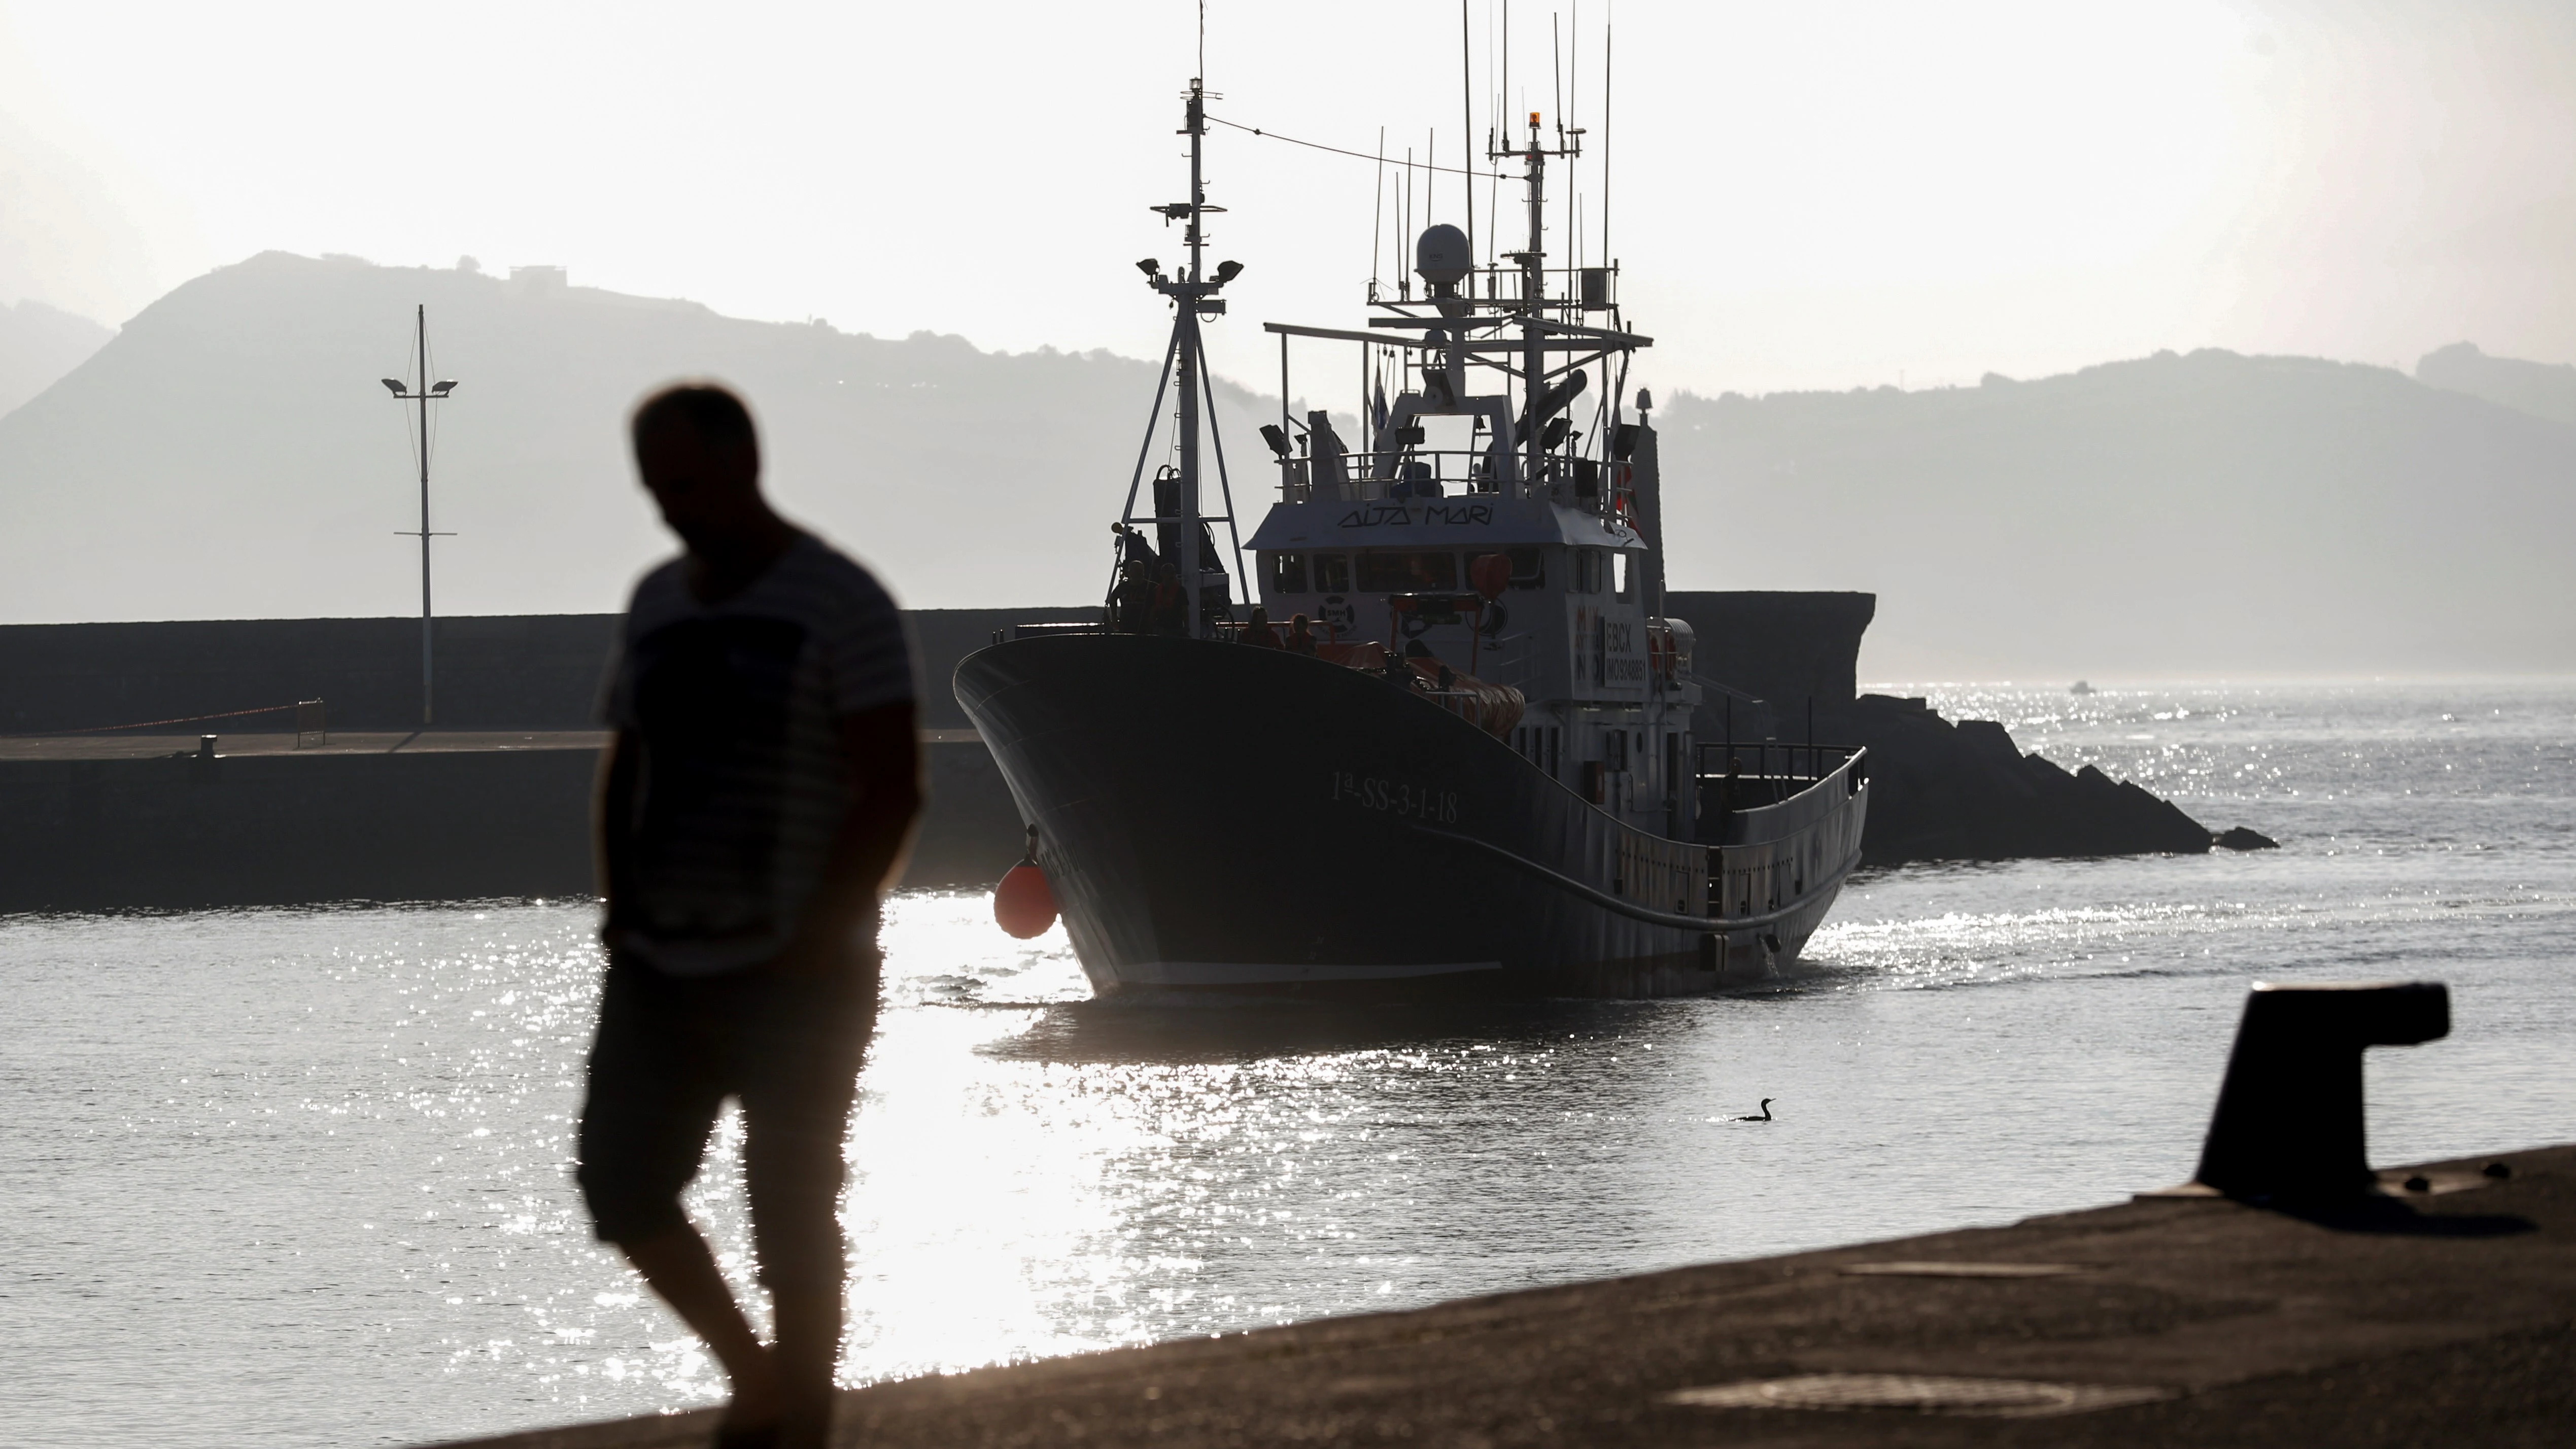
{"x": 1259, "y": 632}
{"x": 1301, "y": 636}
{"x": 1726, "y": 788}
{"x": 1133, "y": 600}
{"x": 1171, "y": 606}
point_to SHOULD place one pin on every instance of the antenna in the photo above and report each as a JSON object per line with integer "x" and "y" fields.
{"x": 1556, "y": 71}
{"x": 1605, "y": 143}
{"x": 1502, "y": 115}
{"x": 424, "y": 392}
{"x": 1377, "y": 222}
{"x": 1573, "y": 198}
{"x": 1466, "y": 129}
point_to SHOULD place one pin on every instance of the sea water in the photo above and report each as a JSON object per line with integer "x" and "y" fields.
{"x": 298, "y": 1177}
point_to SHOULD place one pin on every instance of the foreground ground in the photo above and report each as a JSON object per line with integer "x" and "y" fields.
{"x": 2441, "y": 1317}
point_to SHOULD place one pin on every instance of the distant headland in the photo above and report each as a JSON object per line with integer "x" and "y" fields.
{"x": 228, "y": 454}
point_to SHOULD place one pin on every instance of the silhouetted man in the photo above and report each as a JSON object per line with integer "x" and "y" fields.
{"x": 759, "y": 795}
{"x": 1171, "y": 606}
{"x": 1132, "y": 602}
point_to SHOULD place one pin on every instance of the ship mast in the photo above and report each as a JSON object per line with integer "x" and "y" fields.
{"x": 1191, "y": 362}
{"x": 1194, "y": 296}
{"x": 1534, "y": 298}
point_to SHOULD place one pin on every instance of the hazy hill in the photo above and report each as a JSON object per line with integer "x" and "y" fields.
{"x": 38, "y": 344}
{"x": 231, "y": 453}
{"x": 2173, "y": 515}
{"x": 2543, "y": 389}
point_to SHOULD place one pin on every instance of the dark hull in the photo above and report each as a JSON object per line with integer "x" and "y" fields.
{"x": 1213, "y": 816}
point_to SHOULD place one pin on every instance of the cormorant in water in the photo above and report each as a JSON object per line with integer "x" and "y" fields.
{"x": 1766, "y": 1112}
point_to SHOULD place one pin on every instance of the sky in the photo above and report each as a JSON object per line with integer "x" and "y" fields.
{"x": 1807, "y": 196}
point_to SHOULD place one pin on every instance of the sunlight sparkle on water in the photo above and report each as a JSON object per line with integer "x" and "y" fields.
{"x": 328, "y": 1149}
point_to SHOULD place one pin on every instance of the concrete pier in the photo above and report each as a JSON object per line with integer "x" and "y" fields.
{"x": 493, "y": 802}
{"x": 101, "y": 822}
{"x": 2437, "y": 1317}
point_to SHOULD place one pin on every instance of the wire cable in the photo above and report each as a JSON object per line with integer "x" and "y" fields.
{"x": 1338, "y": 151}
{"x": 149, "y": 723}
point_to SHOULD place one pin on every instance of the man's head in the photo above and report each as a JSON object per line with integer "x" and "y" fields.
{"x": 700, "y": 458}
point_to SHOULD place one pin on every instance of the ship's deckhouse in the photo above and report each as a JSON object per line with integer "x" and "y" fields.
{"x": 1571, "y": 623}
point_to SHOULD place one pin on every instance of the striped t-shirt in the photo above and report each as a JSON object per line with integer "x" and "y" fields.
{"x": 740, "y": 784}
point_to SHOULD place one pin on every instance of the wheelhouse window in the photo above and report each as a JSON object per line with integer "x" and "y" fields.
{"x": 1587, "y": 570}
{"x": 1620, "y": 574}
{"x": 1407, "y": 573}
{"x": 1529, "y": 567}
{"x": 1286, "y": 572}
{"x": 1332, "y": 573}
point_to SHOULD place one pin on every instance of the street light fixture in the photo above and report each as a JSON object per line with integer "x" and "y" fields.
{"x": 430, "y": 393}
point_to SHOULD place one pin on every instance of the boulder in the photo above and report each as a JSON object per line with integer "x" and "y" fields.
{"x": 1944, "y": 790}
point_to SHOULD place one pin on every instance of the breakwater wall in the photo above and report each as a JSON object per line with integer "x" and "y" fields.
{"x": 494, "y": 672}
{"x": 285, "y": 828}
{"x": 1775, "y": 644}
{"x": 453, "y": 813}
{"x": 542, "y": 671}
{"x": 448, "y": 814}
{"x": 421, "y": 822}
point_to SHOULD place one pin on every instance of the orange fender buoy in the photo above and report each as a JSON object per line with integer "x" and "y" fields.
{"x": 1024, "y": 904}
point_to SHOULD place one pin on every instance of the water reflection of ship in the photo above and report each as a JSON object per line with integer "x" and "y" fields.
{"x": 1482, "y": 776}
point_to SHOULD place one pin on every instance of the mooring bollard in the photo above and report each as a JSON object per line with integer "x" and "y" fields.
{"x": 2289, "y": 1119}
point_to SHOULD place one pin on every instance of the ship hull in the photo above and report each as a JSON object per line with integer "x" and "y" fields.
{"x": 1220, "y": 818}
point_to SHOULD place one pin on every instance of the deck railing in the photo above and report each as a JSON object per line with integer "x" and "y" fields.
{"x": 1756, "y": 877}
{"x": 1459, "y": 472}
{"x": 1771, "y": 765}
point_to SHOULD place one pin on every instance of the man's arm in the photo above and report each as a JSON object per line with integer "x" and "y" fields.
{"x": 882, "y": 748}
{"x": 613, "y": 819}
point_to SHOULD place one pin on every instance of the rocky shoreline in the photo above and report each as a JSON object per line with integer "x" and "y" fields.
{"x": 1943, "y": 790}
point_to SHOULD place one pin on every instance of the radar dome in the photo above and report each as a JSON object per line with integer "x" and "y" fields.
{"x": 1441, "y": 256}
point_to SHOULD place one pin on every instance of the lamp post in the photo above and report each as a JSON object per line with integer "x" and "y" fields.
{"x": 428, "y": 393}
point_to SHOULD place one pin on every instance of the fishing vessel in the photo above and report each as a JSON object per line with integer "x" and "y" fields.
{"x": 1453, "y": 749}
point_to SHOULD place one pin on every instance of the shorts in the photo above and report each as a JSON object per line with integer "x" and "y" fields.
{"x": 671, "y": 1049}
